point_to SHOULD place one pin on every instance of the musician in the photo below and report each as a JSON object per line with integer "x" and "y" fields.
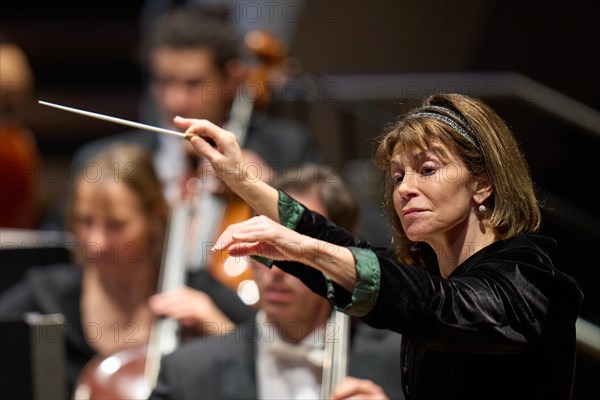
{"x": 118, "y": 217}
{"x": 267, "y": 359}
{"x": 20, "y": 203}
{"x": 197, "y": 65}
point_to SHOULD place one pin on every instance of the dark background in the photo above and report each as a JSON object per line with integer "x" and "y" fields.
{"x": 85, "y": 55}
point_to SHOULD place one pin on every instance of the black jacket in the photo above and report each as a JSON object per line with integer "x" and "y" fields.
{"x": 502, "y": 326}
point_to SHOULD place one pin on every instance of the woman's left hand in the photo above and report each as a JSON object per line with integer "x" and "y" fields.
{"x": 261, "y": 236}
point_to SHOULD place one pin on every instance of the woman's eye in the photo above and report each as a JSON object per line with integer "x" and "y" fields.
{"x": 116, "y": 225}
{"x": 397, "y": 179}
{"x": 428, "y": 169}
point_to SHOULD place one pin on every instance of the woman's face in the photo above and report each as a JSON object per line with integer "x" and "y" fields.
{"x": 113, "y": 231}
{"x": 433, "y": 194}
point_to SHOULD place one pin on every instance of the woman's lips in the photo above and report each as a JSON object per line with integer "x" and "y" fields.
{"x": 411, "y": 212}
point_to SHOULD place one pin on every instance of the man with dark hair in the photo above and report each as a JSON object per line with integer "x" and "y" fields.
{"x": 197, "y": 65}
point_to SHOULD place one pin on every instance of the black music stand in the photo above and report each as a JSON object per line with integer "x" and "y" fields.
{"x": 32, "y": 357}
{"x": 21, "y": 249}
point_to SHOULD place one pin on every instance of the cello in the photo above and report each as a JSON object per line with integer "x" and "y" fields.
{"x": 335, "y": 358}
{"x": 132, "y": 373}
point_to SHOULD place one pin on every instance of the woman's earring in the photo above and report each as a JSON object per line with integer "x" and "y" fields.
{"x": 482, "y": 208}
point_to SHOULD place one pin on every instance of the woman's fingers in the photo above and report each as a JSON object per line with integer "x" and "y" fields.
{"x": 200, "y": 127}
{"x": 239, "y": 232}
{"x": 209, "y": 133}
{"x": 246, "y": 249}
{"x": 260, "y": 236}
{"x": 217, "y": 145}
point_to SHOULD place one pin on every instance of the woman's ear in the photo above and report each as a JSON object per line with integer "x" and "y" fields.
{"x": 483, "y": 191}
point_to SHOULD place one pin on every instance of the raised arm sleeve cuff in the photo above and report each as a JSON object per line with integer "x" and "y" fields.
{"x": 366, "y": 290}
{"x": 290, "y": 212}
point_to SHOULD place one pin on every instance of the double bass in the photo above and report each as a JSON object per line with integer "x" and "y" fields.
{"x": 132, "y": 373}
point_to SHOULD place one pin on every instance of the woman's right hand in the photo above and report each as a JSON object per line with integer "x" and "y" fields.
{"x": 218, "y": 146}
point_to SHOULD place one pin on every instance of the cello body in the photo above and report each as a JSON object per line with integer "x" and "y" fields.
{"x": 119, "y": 376}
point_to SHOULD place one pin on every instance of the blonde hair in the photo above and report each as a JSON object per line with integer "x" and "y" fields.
{"x": 493, "y": 158}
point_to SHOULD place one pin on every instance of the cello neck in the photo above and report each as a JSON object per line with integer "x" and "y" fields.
{"x": 337, "y": 346}
{"x": 164, "y": 336}
{"x": 239, "y": 116}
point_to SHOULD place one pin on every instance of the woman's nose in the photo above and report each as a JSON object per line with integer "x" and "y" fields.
{"x": 409, "y": 185}
{"x": 97, "y": 237}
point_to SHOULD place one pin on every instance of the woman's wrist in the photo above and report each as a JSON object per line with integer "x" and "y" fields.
{"x": 259, "y": 195}
{"x": 336, "y": 262}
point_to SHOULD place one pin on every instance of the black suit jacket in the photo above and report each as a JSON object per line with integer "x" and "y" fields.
{"x": 224, "y": 367}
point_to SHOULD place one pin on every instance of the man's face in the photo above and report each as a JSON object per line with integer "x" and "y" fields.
{"x": 186, "y": 82}
{"x": 285, "y": 298}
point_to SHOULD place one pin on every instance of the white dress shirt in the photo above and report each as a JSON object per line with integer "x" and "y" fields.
{"x": 169, "y": 161}
{"x": 287, "y": 370}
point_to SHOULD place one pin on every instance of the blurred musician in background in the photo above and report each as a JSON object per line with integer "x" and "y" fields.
{"x": 118, "y": 219}
{"x": 19, "y": 155}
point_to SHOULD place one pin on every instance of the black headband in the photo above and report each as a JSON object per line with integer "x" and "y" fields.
{"x": 450, "y": 118}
